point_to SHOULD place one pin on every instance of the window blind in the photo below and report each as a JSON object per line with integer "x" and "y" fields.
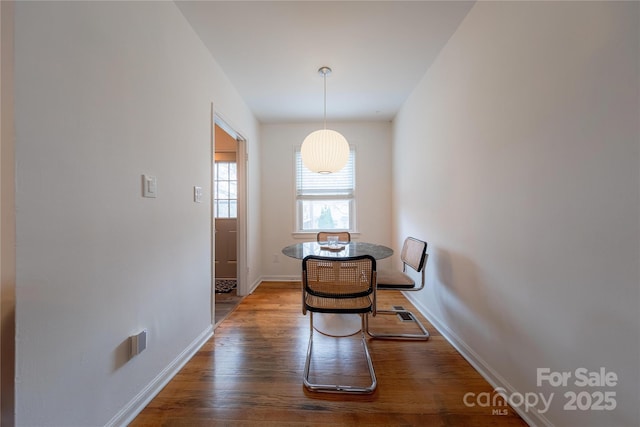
{"x": 310, "y": 184}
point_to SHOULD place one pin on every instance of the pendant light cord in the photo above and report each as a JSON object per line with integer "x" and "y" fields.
{"x": 325, "y": 99}
{"x": 324, "y": 71}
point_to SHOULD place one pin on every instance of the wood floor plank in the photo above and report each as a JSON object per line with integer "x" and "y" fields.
{"x": 250, "y": 374}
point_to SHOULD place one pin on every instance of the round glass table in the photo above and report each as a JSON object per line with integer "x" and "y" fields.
{"x": 335, "y": 324}
{"x": 342, "y": 250}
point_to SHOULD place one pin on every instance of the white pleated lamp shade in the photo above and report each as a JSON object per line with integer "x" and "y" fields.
{"x": 324, "y": 151}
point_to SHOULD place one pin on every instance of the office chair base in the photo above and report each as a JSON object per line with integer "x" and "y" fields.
{"x": 424, "y": 336}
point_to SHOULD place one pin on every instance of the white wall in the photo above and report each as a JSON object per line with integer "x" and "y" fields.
{"x": 107, "y": 91}
{"x": 523, "y": 140}
{"x": 372, "y": 141}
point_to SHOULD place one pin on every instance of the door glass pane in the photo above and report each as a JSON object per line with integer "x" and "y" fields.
{"x": 223, "y": 209}
{"x": 223, "y": 171}
{"x": 233, "y": 209}
{"x": 232, "y": 172}
{"x": 233, "y": 190}
{"x": 225, "y": 190}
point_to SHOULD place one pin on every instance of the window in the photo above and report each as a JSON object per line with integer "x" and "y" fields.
{"x": 325, "y": 201}
{"x": 225, "y": 190}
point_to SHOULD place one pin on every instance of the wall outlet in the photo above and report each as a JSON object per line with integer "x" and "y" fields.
{"x": 137, "y": 343}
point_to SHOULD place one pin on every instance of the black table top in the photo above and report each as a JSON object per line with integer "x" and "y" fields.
{"x": 301, "y": 250}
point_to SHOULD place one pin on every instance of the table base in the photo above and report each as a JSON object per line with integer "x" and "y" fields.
{"x": 337, "y": 324}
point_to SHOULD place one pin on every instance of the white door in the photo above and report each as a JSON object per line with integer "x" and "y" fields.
{"x": 226, "y": 248}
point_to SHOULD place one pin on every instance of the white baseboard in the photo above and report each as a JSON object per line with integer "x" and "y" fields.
{"x": 289, "y": 278}
{"x": 488, "y": 373}
{"x": 142, "y": 399}
{"x": 254, "y": 286}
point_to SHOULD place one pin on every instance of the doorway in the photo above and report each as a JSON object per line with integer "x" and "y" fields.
{"x": 228, "y": 216}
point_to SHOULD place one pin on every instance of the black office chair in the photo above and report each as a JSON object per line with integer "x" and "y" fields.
{"x": 338, "y": 285}
{"x": 414, "y": 255}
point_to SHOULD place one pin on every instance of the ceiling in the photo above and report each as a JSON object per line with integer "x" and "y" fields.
{"x": 271, "y": 52}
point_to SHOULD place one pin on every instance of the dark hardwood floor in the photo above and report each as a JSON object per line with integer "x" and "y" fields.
{"x": 250, "y": 374}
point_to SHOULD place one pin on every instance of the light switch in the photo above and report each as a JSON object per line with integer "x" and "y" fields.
{"x": 197, "y": 194}
{"x": 149, "y": 186}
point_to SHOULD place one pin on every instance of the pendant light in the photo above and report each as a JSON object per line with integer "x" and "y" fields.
{"x": 325, "y": 150}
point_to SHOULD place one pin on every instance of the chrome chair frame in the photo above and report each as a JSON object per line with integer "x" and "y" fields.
{"x": 328, "y": 301}
{"x": 419, "y": 267}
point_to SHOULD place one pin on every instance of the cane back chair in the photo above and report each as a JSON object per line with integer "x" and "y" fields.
{"x": 414, "y": 254}
{"x": 338, "y": 285}
{"x": 343, "y": 236}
